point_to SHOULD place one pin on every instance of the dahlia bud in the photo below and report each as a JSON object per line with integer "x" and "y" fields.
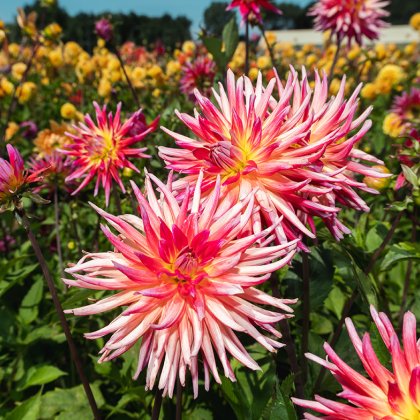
{"x": 378, "y": 183}
{"x": 104, "y": 29}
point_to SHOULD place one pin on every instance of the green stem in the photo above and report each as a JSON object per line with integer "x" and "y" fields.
{"x": 50, "y": 283}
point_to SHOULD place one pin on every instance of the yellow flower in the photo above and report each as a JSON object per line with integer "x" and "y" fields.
{"x": 253, "y": 73}
{"x": 52, "y": 138}
{"x": 392, "y": 125}
{"x": 6, "y": 86}
{"x": 104, "y": 88}
{"x": 368, "y": 91}
{"x": 389, "y": 76}
{"x": 11, "y": 130}
{"x": 173, "y": 67}
{"x": 311, "y": 59}
{"x": 18, "y": 69}
{"x": 188, "y": 47}
{"x": 71, "y": 245}
{"x": 410, "y": 49}
{"x": 378, "y": 183}
{"x": 156, "y": 93}
{"x": 25, "y": 92}
{"x": 68, "y": 111}
{"x": 271, "y": 37}
{"x": 56, "y": 57}
{"x": 263, "y": 62}
{"x": 415, "y": 21}
{"x": 53, "y": 31}
{"x": 354, "y": 53}
{"x": 380, "y": 51}
{"x": 14, "y": 49}
{"x": 127, "y": 172}
{"x": 113, "y": 64}
{"x": 71, "y": 52}
{"x": 2, "y": 36}
{"x": 334, "y": 86}
{"x": 155, "y": 72}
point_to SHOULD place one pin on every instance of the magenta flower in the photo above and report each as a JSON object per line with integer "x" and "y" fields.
{"x": 350, "y": 19}
{"x": 186, "y": 275}
{"x": 103, "y": 149}
{"x": 104, "y": 29}
{"x": 291, "y": 150}
{"x": 14, "y": 179}
{"x": 200, "y": 75}
{"x": 384, "y": 394}
{"x": 407, "y": 106}
{"x": 55, "y": 169}
{"x": 251, "y": 9}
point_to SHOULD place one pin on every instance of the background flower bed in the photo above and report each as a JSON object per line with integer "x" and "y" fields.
{"x": 37, "y": 379}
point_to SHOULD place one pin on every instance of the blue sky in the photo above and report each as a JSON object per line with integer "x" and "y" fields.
{"x": 193, "y": 9}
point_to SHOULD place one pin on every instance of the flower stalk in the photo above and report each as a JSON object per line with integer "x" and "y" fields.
{"x": 50, "y": 283}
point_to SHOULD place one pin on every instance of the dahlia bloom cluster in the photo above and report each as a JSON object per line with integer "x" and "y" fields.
{"x": 200, "y": 74}
{"x": 55, "y": 168}
{"x": 295, "y": 145}
{"x": 103, "y": 149}
{"x": 14, "y": 179}
{"x": 250, "y": 10}
{"x": 406, "y": 107}
{"x": 384, "y": 394}
{"x": 350, "y": 19}
{"x": 185, "y": 275}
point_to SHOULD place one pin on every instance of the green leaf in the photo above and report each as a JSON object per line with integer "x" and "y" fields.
{"x": 230, "y": 37}
{"x": 69, "y": 403}
{"x": 399, "y": 252}
{"x": 375, "y": 237}
{"x": 282, "y": 407}
{"x": 28, "y": 310}
{"x": 249, "y": 396}
{"x": 28, "y": 410}
{"x": 410, "y": 175}
{"x": 214, "y": 46}
{"x": 42, "y": 375}
{"x": 366, "y": 283}
{"x": 335, "y": 301}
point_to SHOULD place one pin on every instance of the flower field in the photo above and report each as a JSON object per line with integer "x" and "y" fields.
{"x": 223, "y": 229}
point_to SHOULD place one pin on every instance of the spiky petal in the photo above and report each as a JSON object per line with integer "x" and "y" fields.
{"x": 384, "y": 394}
{"x": 186, "y": 275}
{"x": 350, "y": 19}
{"x": 291, "y": 148}
{"x": 14, "y": 179}
{"x": 103, "y": 150}
{"x": 251, "y": 9}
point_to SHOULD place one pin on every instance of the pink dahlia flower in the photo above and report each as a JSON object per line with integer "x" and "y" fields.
{"x": 407, "y": 106}
{"x": 251, "y": 9}
{"x": 104, "y": 29}
{"x": 103, "y": 149}
{"x": 55, "y": 168}
{"x": 384, "y": 394}
{"x": 297, "y": 150}
{"x": 14, "y": 179}
{"x": 350, "y": 19}
{"x": 198, "y": 75}
{"x": 185, "y": 275}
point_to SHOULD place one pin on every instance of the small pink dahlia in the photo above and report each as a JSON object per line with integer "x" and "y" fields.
{"x": 14, "y": 179}
{"x": 185, "y": 275}
{"x": 350, "y": 19}
{"x": 251, "y": 9}
{"x": 385, "y": 394}
{"x": 103, "y": 149}
{"x": 407, "y": 106}
{"x": 297, "y": 149}
{"x": 198, "y": 74}
{"x": 55, "y": 168}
